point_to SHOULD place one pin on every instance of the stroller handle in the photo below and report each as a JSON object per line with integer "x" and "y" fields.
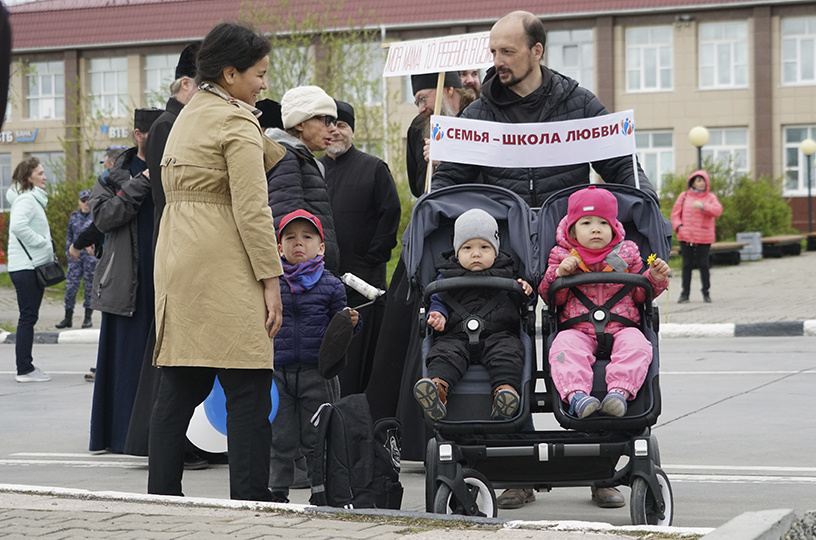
{"x": 588, "y": 278}
{"x": 471, "y": 282}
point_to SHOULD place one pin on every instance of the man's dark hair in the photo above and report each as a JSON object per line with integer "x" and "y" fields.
{"x": 535, "y": 32}
{"x": 229, "y": 45}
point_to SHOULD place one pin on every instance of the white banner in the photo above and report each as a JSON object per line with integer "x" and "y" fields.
{"x": 547, "y": 144}
{"x": 448, "y": 53}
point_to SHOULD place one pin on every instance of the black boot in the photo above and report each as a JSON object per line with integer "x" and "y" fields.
{"x": 88, "y": 322}
{"x": 67, "y": 322}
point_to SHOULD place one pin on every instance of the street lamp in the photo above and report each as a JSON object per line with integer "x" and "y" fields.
{"x": 808, "y": 147}
{"x": 698, "y": 136}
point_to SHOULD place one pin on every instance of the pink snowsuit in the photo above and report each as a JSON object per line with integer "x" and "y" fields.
{"x": 572, "y": 353}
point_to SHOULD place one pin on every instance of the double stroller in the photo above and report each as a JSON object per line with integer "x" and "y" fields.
{"x": 470, "y": 455}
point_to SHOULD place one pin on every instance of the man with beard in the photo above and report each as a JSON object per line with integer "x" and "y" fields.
{"x": 366, "y": 210}
{"x": 519, "y": 89}
{"x": 416, "y": 154}
{"x": 471, "y": 83}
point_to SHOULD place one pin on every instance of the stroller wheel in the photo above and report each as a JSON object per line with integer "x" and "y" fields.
{"x": 479, "y": 488}
{"x": 644, "y": 508}
{"x": 431, "y": 470}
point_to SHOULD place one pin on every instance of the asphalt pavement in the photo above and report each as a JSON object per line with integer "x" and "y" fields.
{"x": 769, "y": 297}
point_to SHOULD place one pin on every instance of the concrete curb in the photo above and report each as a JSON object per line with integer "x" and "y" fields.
{"x": 201, "y": 502}
{"x": 763, "y": 525}
{"x": 667, "y": 330}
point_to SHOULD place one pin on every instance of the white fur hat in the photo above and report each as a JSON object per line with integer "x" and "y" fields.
{"x": 305, "y": 102}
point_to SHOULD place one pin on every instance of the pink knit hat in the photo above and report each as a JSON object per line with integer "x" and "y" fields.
{"x": 592, "y": 201}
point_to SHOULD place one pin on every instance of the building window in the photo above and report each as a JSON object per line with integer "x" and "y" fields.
{"x": 160, "y": 72}
{"x": 655, "y": 152}
{"x": 46, "y": 90}
{"x": 799, "y": 51}
{"x": 796, "y": 176}
{"x": 723, "y": 55}
{"x": 53, "y": 164}
{"x": 109, "y": 92}
{"x": 649, "y": 59}
{"x": 729, "y": 147}
{"x": 299, "y": 68}
{"x": 5, "y": 180}
{"x": 364, "y": 62}
{"x": 572, "y": 53}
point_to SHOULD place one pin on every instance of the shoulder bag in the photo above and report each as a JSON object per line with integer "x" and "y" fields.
{"x": 48, "y": 274}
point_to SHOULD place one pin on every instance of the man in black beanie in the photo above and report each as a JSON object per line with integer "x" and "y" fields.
{"x": 366, "y": 210}
{"x": 424, "y": 88}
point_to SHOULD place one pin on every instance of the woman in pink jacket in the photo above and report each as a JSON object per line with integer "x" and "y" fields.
{"x": 591, "y": 239}
{"x": 692, "y": 219}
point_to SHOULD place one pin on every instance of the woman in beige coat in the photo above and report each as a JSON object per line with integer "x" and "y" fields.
{"x": 217, "y": 296}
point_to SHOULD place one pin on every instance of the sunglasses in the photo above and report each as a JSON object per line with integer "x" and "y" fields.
{"x": 84, "y": 200}
{"x": 327, "y": 120}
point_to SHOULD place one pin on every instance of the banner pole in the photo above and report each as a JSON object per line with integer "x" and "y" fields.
{"x": 440, "y": 87}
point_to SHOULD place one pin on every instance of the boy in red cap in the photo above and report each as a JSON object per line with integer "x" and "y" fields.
{"x": 310, "y": 298}
{"x": 591, "y": 239}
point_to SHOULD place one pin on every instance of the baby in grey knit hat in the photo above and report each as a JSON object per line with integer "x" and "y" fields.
{"x": 496, "y": 314}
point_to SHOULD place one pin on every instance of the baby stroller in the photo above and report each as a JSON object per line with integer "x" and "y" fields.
{"x": 469, "y": 456}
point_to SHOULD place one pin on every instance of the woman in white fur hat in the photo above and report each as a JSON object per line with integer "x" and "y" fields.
{"x": 298, "y": 180}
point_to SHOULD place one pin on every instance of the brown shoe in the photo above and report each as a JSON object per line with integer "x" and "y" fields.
{"x": 515, "y": 498}
{"x": 505, "y": 402}
{"x": 432, "y": 395}
{"x": 608, "y": 497}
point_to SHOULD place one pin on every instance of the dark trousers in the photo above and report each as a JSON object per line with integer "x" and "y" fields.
{"x": 502, "y": 356}
{"x": 29, "y": 298}
{"x": 695, "y": 256}
{"x": 249, "y": 433}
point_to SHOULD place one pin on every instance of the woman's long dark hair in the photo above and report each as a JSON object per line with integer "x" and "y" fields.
{"x": 229, "y": 45}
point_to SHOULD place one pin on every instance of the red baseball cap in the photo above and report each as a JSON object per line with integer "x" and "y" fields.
{"x": 300, "y": 214}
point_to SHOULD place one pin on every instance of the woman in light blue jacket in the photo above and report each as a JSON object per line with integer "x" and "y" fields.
{"x": 28, "y": 231}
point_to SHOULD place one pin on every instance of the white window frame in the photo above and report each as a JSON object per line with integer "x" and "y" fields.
{"x": 45, "y": 87}
{"x": 111, "y": 98}
{"x": 723, "y": 55}
{"x": 795, "y": 160}
{"x": 798, "y": 51}
{"x": 53, "y": 164}
{"x": 723, "y": 147}
{"x": 572, "y": 53}
{"x": 159, "y": 74}
{"x": 371, "y": 57}
{"x": 655, "y": 152}
{"x": 5, "y": 179}
{"x": 650, "y": 46}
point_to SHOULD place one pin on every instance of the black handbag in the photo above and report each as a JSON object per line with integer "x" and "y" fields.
{"x": 48, "y": 274}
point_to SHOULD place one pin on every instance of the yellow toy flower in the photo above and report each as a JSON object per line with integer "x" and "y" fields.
{"x": 651, "y": 259}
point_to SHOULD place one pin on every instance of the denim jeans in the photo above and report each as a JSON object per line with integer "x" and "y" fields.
{"x": 29, "y": 298}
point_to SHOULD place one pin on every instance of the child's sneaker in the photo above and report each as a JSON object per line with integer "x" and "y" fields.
{"x": 505, "y": 402}
{"x": 582, "y": 405}
{"x": 432, "y": 396}
{"x": 614, "y": 404}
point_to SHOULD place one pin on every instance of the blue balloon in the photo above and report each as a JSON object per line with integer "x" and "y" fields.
{"x": 215, "y": 406}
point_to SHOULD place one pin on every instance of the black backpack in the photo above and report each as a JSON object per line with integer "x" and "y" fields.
{"x": 356, "y": 461}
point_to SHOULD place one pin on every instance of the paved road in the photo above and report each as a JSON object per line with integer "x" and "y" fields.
{"x": 728, "y": 440}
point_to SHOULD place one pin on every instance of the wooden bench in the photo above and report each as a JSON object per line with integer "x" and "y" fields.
{"x": 785, "y": 244}
{"x": 721, "y": 253}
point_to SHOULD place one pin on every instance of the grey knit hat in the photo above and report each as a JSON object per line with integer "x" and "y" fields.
{"x": 305, "y": 102}
{"x": 475, "y": 223}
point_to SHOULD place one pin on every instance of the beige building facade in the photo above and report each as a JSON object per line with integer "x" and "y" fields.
{"x": 744, "y": 70}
